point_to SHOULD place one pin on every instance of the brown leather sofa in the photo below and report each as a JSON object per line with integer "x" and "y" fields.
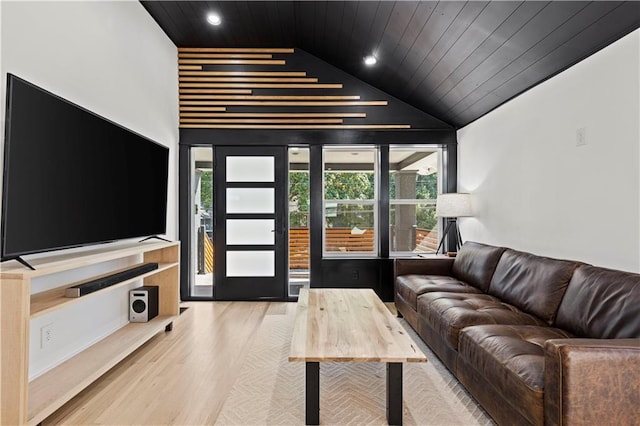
{"x": 534, "y": 340}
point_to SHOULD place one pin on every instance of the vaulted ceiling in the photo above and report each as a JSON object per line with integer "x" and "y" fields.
{"x": 453, "y": 60}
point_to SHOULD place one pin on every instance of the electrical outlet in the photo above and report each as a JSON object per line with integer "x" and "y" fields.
{"x": 581, "y": 136}
{"x": 46, "y": 335}
{"x": 355, "y": 275}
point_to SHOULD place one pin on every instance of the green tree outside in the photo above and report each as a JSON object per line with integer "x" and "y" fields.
{"x": 206, "y": 191}
{"x": 299, "y": 194}
{"x": 355, "y": 186}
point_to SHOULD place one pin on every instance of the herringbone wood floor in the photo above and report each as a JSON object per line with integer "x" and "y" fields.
{"x": 226, "y": 363}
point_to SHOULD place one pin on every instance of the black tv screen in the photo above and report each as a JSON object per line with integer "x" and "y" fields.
{"x": 73, "y": 178}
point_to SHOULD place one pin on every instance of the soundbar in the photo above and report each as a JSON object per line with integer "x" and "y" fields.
{"x": 109, "y": 280}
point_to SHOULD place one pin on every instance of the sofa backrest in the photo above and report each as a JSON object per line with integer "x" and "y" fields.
{"x": 475, "y": 263}
{"x": 601, "y": 303}
{"x": 533, "y": 284}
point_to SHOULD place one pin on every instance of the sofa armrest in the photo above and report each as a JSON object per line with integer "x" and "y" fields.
{"x": 592, "y": 381}
{"x": 423, "y": 266}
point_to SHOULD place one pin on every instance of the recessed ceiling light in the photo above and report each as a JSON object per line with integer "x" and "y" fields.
{"x": 214, "y": 19}
{"x": 370, "y": 60}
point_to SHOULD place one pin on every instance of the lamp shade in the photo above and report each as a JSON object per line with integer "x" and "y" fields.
{"x": 453, "y": 205}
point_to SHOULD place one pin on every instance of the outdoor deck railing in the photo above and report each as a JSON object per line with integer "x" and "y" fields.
{"x": 337, "y": 240}
{"x": 342, "y": 240}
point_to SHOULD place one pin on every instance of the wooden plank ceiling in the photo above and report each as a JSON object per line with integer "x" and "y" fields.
{"x": 454, "y": 60}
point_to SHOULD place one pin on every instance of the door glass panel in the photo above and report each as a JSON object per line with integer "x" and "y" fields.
{"x": 250, "y": 231}
{"x": 250, "y": 169}
{"x": 259, "y": 263}
{"x": 202, "y": 259}
{"x": 250, "y": 200}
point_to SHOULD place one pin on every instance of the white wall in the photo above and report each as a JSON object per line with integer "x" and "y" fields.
{"x": 111, "y": 58}
{"x": 535, "y": 190}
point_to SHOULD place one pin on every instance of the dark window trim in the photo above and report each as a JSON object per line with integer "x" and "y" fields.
{"x": 449, "y": 166}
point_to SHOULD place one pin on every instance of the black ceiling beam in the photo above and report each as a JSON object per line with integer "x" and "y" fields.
{"x": 276, "y": 137}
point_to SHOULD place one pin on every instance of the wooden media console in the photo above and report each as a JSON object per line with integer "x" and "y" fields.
{"x": 30, "y": 402}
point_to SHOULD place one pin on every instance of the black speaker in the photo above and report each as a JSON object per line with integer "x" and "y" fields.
{"x": 143, "y": 303}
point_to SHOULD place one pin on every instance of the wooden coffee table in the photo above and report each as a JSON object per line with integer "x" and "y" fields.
{"x": 349, "y": 325}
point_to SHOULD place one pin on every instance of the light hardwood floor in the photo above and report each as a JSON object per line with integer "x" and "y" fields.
{"x": 180, "y": 377}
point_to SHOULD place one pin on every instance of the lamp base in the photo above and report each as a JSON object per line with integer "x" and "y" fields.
{"x": 452, "y": 253}
{"x": 452, "y": 225}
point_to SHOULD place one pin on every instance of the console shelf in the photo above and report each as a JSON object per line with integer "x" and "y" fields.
{"x": 51, "y": 300}
{"x": 24, "y": 402}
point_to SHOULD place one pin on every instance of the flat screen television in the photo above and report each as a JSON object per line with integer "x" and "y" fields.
{"x": 73, "y": 178}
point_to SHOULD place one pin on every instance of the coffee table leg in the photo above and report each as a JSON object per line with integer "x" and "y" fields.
{"x": 312, "y": 408}
{"x": 394, "y": 393}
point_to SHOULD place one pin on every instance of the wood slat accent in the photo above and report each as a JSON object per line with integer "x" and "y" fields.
{"x": 235, "y": 49}
{"x": 217, "y": 91}
{"x": 204, "y": 109}
{"x": 272, "y": 114}
{"x": 275, "y": 97}
{"x": 189, "y": 68}
{"x": 204, "y": 55}
{"x": 244, "y": 73}
{"x": 231, "y": 91}
{"x": 285, "y": 103}
{"x": 205, "y": 89}
{"x": 263, "y": 120}
{"x": 296, "y": 126}
{"x": 251, "y": 79}
{"x": 212, "y": 109}
{"x": 231, "y": 61}
{"x": 263, "y": 85}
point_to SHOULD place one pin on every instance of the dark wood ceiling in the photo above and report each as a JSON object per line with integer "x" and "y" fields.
{"x": 453, "y": 60}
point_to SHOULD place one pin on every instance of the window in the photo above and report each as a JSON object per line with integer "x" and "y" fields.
{"x": 350, "y": 201}
{"x": 414, "y": 183}
{"x": 299, "y": 242}
{"x": 202, "y": 259}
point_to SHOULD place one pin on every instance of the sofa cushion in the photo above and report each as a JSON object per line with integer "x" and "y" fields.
{"x": 412, "y": 286}
{"x": 448, "y": 313}
{"x": 532, "y": 283}
{"x": 512, "y": 358}
{"x": 475, "y": 264}
{"x": 601, "y": 303}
